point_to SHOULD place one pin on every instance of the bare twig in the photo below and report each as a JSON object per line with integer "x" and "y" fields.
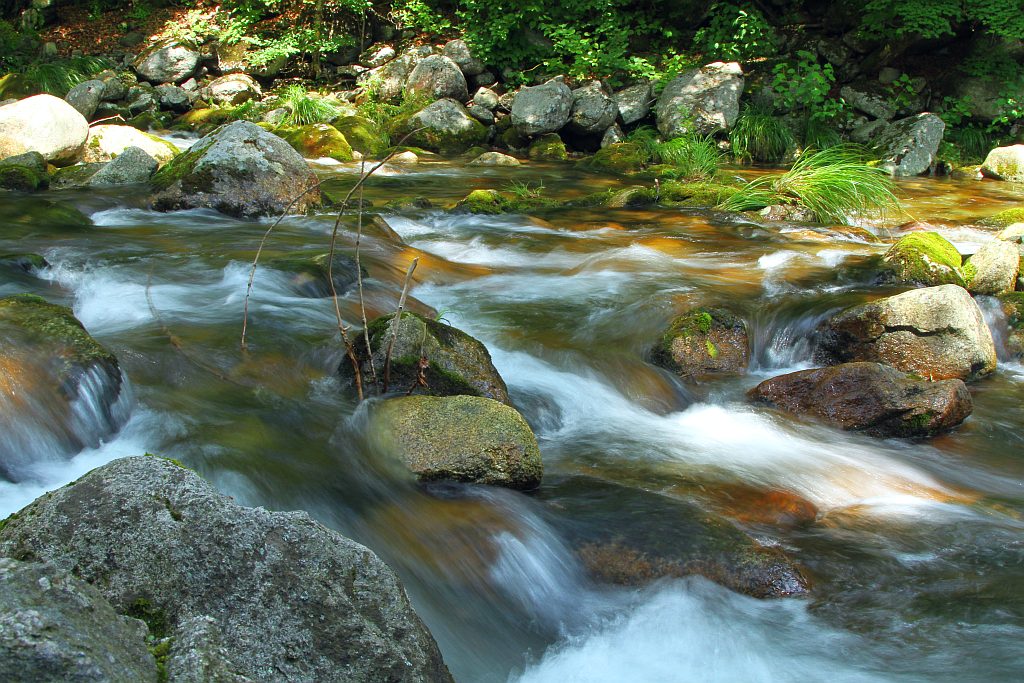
{"x": 109, "y": 118}
{"x": 359, "y": 282}
{"x": 395, "y": 323}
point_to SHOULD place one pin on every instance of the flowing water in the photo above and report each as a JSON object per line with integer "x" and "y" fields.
{"x": 916, "y": 556}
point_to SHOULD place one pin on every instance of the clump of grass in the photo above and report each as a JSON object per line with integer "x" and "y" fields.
{"x": 760, "y": 136}
{"x": 693, "y": 157}
{"x": 819, "y": 134}
{"x": 305, "y": 108}
{"x": 973, "y": 143}
{"x": 524, "y": 190}
{"x": 59, "y": 76}
{"x": 834, "y": 183}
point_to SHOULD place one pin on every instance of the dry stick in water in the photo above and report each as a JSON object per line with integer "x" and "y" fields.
{"x": 359, "y": 282}
{"x": 395, "y": 322}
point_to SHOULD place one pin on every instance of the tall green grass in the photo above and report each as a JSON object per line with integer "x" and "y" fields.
{"x": 836, "y": 184}
{"x": 759, "y": 135}
{"x": 304, "y": 108}
{"x": 693, "y": 157}
{"x": 58, "y": 76}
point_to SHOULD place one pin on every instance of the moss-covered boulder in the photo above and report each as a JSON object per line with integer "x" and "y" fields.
{"x": 1004, "y": 218}
{"x": 22, "y": 178}
{"x": 309, "y": 272}
{"x": 203, "y": 119}
{"x": 363, "y": 135}
{"x": 427, "y": 357}
{"x": 632, "y": 537}
{"x": 1005, "y": 163}
{"x": 494, "y": 202}
{"x": 105, "y": 142}
{"x": 923, "y": 258}
{"x": 702, "y": 342}
{"x": 23, "y": 262}
{"x": 622, "y": 157}
{"x": 459, "y": 438}
{"x": 444, "y": 126}
{"x": 318, "y": 140}
{"x": 78, "y": 175}
{"x": 548, "y": 147}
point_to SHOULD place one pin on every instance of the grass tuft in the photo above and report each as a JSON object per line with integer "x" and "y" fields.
{"x": 693, "y": 157}
{"x": 305, "y": 108}
{"x": 760, "y": 136}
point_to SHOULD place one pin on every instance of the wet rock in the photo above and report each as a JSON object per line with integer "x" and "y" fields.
{"x": 24, "y": 172}
{"x": 459, "y": 438}
{"x": 923, "y": 258}
{"x": 459, "y": 52}
{"x": 909, "y": 146}
{"x": 107, "y": 141}
{"x": 993, "y": 269}
{"x": 363, "y": 135}
{"x": 1004, "y": 218}
{"x": 23, "y": 262}
{"x": 455, "y": 363}
{"x": 935, "y": 332}
{"x": 406, "y": 158}
{"x": 167, "y": 62}
{"x": 870, "y": 397}
{"x": 1013, "y": 233}
{"x": 172, "y": 98}
{"x": 292, "y": 600}
{"x": 631, "y": 537}
{"x": 1005, "y": 163}
{"x": 623, "y": 157}
{"x": 446, "y": 127}
{"x": 85, "y": 97}
{"x": 758, "y": 505}
{"x": 634, "y": 103}
{"x": 239, "y": 169}
{"x": 56, "y": 627}
{"x": 494, "y": 159}
{"x": 593, "y": 110}
{"x": 131, "y": 166}
{"x": 317, "y": 141}
{"x": 548, "y": 147}
{"x": 1013, "y": 308}
{"x": 75, "y": 176}
{"x": 703, "y": 101}
{"x": 542, "y": 108}
{"x": 233, "y": 89}
{"x": 438, "y": 77}
{"x": 309, "y": 272}
{"x": 702, "y": 342}
{"x": 43, "y": 124}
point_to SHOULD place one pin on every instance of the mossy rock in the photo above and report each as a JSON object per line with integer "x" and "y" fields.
{"x": 511, "y": 138}
{"x": 1004, "y": 218}
{"x": 202, "y": 120}
{"x": 670, "y": 193}
{"x": 1013, "y": 309}
{"x": 75, "y": 176}
{"x": 54, "y": 326}
{"x": 923, "y": 258}
{"x": 318, "y": 140}
{"x": 459, "y": 438}
{"x": 548, "y": 148}
{"x": 474, "y": 152}
{"x": 622, "y": 157}
{"x": 454, "y": 363}
{"x": 363, "y": 135}
{"x": 309, "y": 272}
{"x": 702, "y": 342}
{"x": 36, "y": 212}
{"x": 23, "y": 262}
{"x": 13, "y": 86}
{"x": 22, "y": 178}
{"x": 150, "y": 120}
{"x": 493, "y": 202}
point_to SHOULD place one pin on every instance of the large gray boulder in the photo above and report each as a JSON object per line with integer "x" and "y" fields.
{"x": 908, "y": 146}
{"x": 56, "y": 627}
{"x": 993, "y": 269}
{"x": 593, "y": 109}
{"x": 86, "y": 97}
{"x": 703, "y": 101}
{"x": 107, "y": 141}
{"x": 870, "y": 397}
{"x": 167, "y": 62}
{"x": 935, "y": 332}
{"x": 459, "y": 52}
{"x": 172, "y": 98}
{"x": 445, "y": 126}
{"x": 387, "y": 82}
{"x": 436, "y": 77}
{"x": 132, "y": 166}
{"x": 634, "y": 102}
{"x": 868, "y": 103}
{"x": 290, "y": 599}
{"x": 542, "y": 108}
{"x": 44, "y": 124}
{"x": 232, "y": 89}
{"x": 1005, "y": 163}
{"x": 238, "y": 169}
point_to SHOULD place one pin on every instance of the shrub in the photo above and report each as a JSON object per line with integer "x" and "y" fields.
{"x": 304, "y": 108}
{"x": 736, "y": 32}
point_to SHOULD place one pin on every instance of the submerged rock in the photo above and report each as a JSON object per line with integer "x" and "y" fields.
{"x": 923, "y": 258}
{"x": 703, "y": 101}
{"x": 309, "y": 272}
{"x": 289, "y": 599}
{"x": 935, "y": 332}
{"x": 44, "y": 124}
{"x": 459, "y": 438}
{"x": 870, "y": 397}
{"x": 702, "y": 342}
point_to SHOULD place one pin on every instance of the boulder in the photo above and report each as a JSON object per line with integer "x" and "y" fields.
{"x": 172, "y": 98}
{"x": 107, "y": 141}
{"x": 115, "y": 84}
{"x": 935, "y": 332}
{"x": 459, "y": 52}
{"x": 870, "y": 397}
{"x": 386, "y": 83}
{"x": 542, "y": 108}
{"x": 923, "y": 258}
{"x": 167, "y": 62}
{"x": 703, "y": 101}
{"x": 993, "y": 269}
{"x": 865, "y": 132}
{"x": 1004, "y": 218}
{"x": 363, "y": 135}
{"x": 547, "y": 147}
{"x": 459, "y": 438}
{"x": 1005, "y": 163}
{"x": 131, "y": 166}
{"x": 481, "y": 114}
{"x": 24, "y": 172}
{"x": 908, "y": 147}
{"x": 486, "y": 98}
{"x": 1013, "y": 309}
{"x": 494, "y": 159}
{"x": 612, "y": 136}
{"x": 318, "y": 141}
{"x": 438, "y": 77}
{"x": 873, "y": 105}
{"x": 379, "y": 56}
{"x": 446, "y": 127}
{"x": 1012, "y": 233}
{"x": 634, "y": 103}
{"x": 44, "y": 124}
{"x": 593, "y": 110}
{"x": 309, "y": 273}
{"x": 289, "y": 599}
{"x": 75, "y": 176}
{"x": 56, "y": 627}
{"x": 704, "y": 341}
{"x": 241, "y": 170}
{"x": 449, "y": 361}
{"x": 86, "y": 97}
{"x": 232, "y": 89}
{"x": 621, "y": 157}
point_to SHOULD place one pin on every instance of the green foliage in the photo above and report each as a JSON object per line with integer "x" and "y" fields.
{"x": 972, "y": 143}
{"x": 418, "y": 15}
{"x": 759, "y": 135}
{"x": 305, "y": 108}
{"x": 833, "y": 183}
{"x": 902, "y": 92}
{"x": 936, "y": 18}
{"x": 57, "y": 77}
{"x": 805, "y": 85}
{"x": 694, "y": 157}
{"x": 736, "y": 32}
{"x": 524, "y": 190}
{"x": 820, "y": 134}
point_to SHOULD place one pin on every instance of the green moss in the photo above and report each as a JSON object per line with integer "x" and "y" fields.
{"x": 1004, "y": 218}
{"x": 25, "y": 262}
{"x": 77, "y": 175}
{"x": 203, "y": 119}
{"x": 695, "y": 194}
{"x": 161, "y": 651}
{"x": 318, "y": 140}
{"x": 1013, "y": 307}
{"x": 22, "y": 179}
{"x": 623, "y": 157}
{"x": 925, "y": 258}
{"x": 444, "y": 142}
{"x": 712, "y": 349}
{"x": 178, "y": 167}
{"x": 10, "y": 518}
{"x": 154, "y": 617}
{"x": 548, "y": 148}
{"x": 51, "y": 323}
{"x": 494, "y": 202}
{"x": 363, "y": 135}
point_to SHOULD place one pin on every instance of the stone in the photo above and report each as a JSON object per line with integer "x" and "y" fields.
{"x": 702, "y": 342}
{"x": 379, "y": 56}
{"x": 115, "y": 84}
{"x": 888, "y": 75}
{"x": 487, "y": 98}
{"x": 703, "y": 101}
{"x": 450, "y": 361}
{"x": 291, "y": 599}
{"x": 935, "y": 332}
{"x": 909, "y": 146}
{"x": 547, "y": 147}
{"x": 494, "y": 159}
{"x": 85, "y": 97}
{"x": 459, "y": 52}
{"x": 870, "y": 397}
{"x": 241, "y": 170}
{"x": 55, "y": 627}
{"x": 1012, "y": 233}
{"x": 923, "y": 258}
{"x": 75, "y": 176}
{"x": 484, "y": 79}
{"x": 24, "y": 172}
{"x": 309, "y": 273}
{"x": 131, "y": 166}
{"x": 438, "y": 77}
{"x": 593, "y": 110}
{"x": 172, "y": 98}
{"x": 871, "y": 104}
{"x": 621, "y": 157}
{"x": 44, "y": 124}
{"x": 107, "y": 141}
{"x": 405, "y": 158}
{"x": 446, "y": 127}
{"x": 318, "y": 141}
{"x": 634, "y": 103}
{"x": 459, "y": 438}
{"x": 363, "y": 135}
{"x": 1004, "y": 218}
{"x": 993, "y": 269}
{"x": 232, "y": 89}
{"x": 386, "y": 83}
{"x": 1005, "y": 163}
{"x": 612, "y": 136}
{"x": 1012, "y": 306}
{"x": 142, "y": 102}
{"x": 481, "y": 114}
{"x": 866, "y": 132}
{"x": 167, "y": 62}
{"x": 542, "y": 108}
